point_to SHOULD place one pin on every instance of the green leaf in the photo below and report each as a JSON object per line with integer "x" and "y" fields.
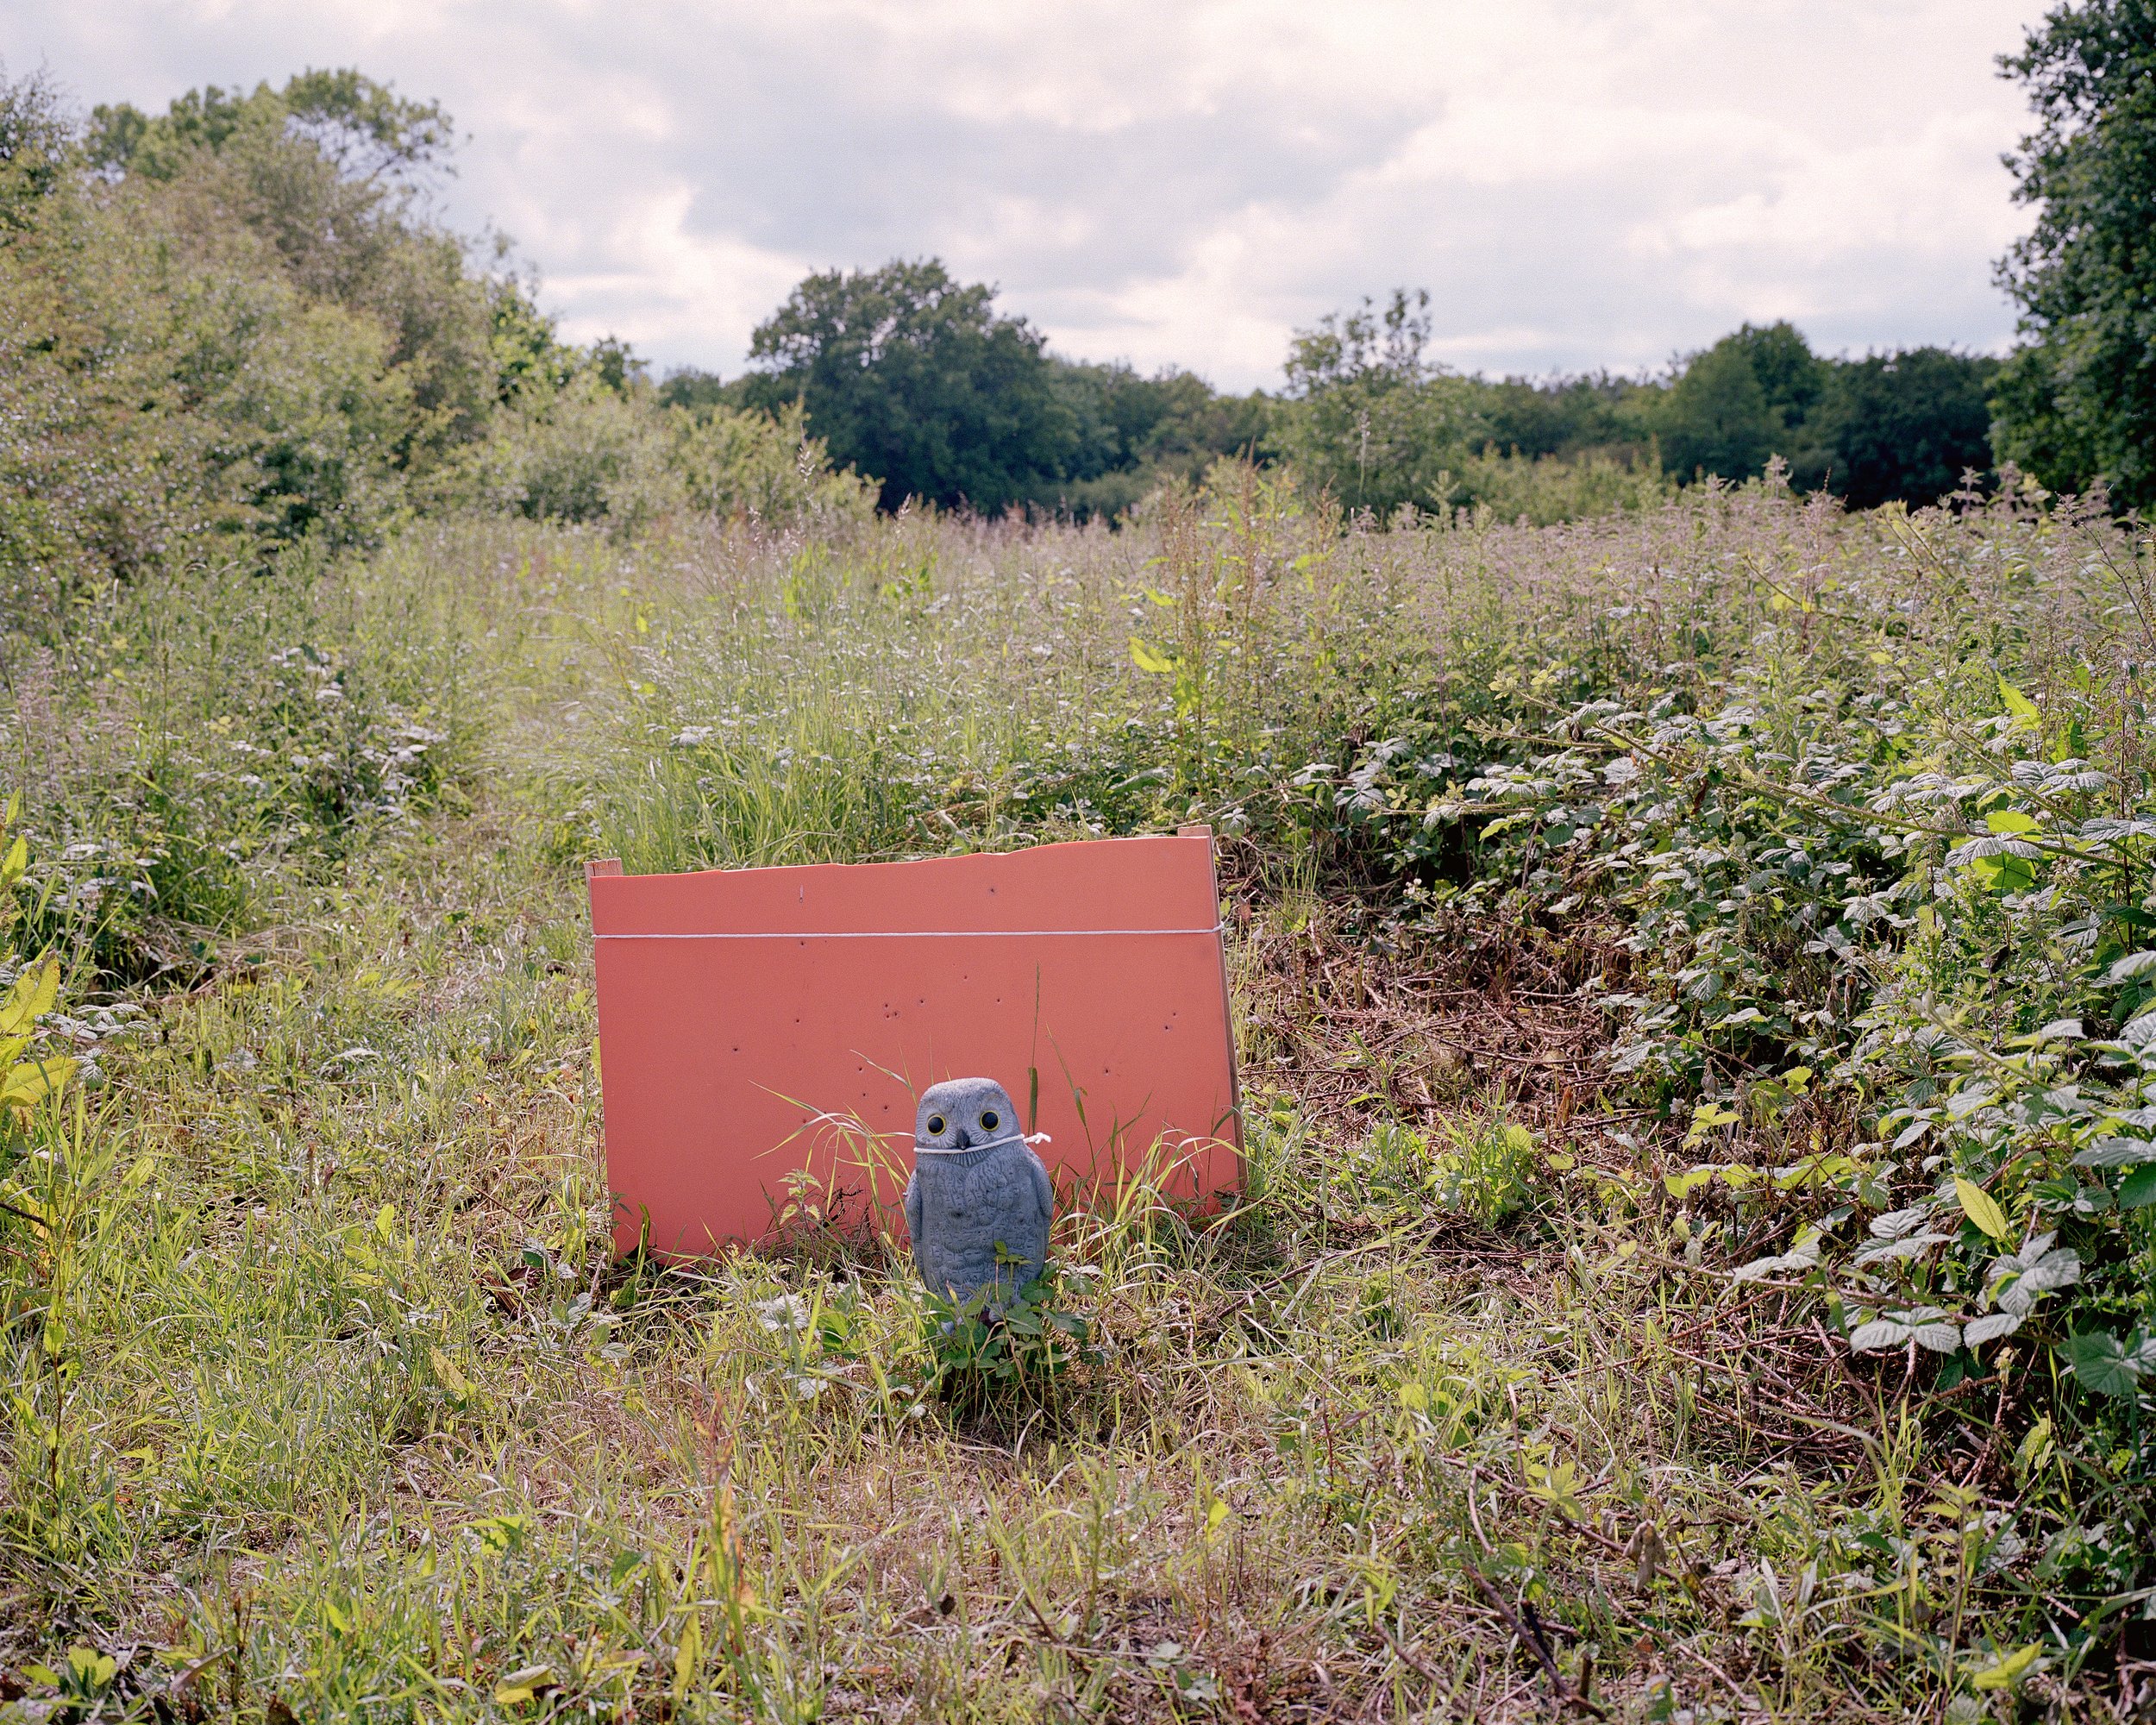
{"x": 2115, "y": 1152}
{"x": 2007, "y": 1671}
{"x": 1705, "y": 1117}
{"x": 31, "y": 998}
{"x": 2100, "y": 1360}
{"x": 2004, "y": 872}
{"x": 31, "y": 1082}
{"x": 1936, "y": 1333}
{"x": 1981, "y": 1208}
{"x": 2023, "y": 709}
{"x": 1926, "y": 1325}
{"x": 1149, "y": 659}
{"x": 89, "y": 1668}
{"x": 2009, "y": 821}
{"x": 520, "y": 1686}
{"x": 446, "y": 1375}
{"x": 2022, "y": 1280}
{"x": 2138, "y": 1190}
{"x": 502, "y": 1533}
{"x": 2134, "y": 964}
{"x": 1991, "y": 1328}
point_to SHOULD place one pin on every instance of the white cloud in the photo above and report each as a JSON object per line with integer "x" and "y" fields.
{"x": 1578, "y": 182}
{"x": 677, "y": 281}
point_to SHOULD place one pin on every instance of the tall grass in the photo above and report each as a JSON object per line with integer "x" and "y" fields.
{"x": 938, "y": 686}
{"x": 330, "y": 1401}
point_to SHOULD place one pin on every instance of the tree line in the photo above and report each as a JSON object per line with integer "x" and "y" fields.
{"x": 917, "y": 379}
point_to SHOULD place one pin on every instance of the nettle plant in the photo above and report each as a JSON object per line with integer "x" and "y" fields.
{"x": 1862, "y": 902}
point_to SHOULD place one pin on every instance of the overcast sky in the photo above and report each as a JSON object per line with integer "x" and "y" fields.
{"x": 1185, "y": 181}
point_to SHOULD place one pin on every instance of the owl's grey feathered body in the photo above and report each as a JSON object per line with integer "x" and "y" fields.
{"x": 976, "y": 1186}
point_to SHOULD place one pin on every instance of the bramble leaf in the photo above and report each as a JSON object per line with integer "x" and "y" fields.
{"x": 2100, "y": 1361}
{"x": 2134, "y": 964}
{"x": 2116, "y": 1152}
{"x": 1926, "y": 1325}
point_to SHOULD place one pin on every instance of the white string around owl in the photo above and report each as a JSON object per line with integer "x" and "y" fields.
{"x": 934, "y": 1126}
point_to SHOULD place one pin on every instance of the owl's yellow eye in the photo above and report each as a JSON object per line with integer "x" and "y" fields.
{"x": 934, "y": 1126}
{"x": 988, "y": 1121}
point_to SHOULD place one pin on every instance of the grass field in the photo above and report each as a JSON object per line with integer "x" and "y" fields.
{"x": 1641, "y": 931}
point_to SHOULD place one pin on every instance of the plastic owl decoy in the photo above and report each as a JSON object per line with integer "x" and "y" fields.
{"x": 980, "y": 1202}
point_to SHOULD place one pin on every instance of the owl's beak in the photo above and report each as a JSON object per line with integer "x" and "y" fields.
{"x": 965, "y": 1138}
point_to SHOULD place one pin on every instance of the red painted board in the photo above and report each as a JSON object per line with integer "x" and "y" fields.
{"x": 756, "y": 1023}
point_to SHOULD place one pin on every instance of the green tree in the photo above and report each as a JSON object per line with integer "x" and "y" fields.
{"x": 235, "y": 327}
{"x": 1904, "y": 426}
{"x": 1791, "y": 377}
{"x": 687, "y": 386}
{"x": 36, "y": 137}
{"x": 2077, "y": 401}
{"x": 332, "y": 170}
{"x": 616, "y": 364}
{"x": 1129, "y": 432}
{"x": 363, "y": 130}
{"x": 1716, "y": 417}
{"x": 1566, "y": 416}
{"x": 1369, "y": 418}
{"x": 1753, "y": 394}
{"x": 910, "y": 375}
{"x": 530, "y": 361}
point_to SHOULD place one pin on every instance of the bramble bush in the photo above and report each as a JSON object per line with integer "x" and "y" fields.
{"x": 1880, "y": 847}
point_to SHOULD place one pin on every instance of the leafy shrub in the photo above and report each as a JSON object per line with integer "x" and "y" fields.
{"x": 225, "y": 329}
{"x": 1547, "y": 489}
{"x": 233, "y": 327}
{"x": 1884, "y": 865}
{"x": 1018, "y": 1352}
{"x": 1477, "y": 1166}
{"x": 285, "y": 715}
{"x": 588, "y": 453}
{"x": 763, "y": 467}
